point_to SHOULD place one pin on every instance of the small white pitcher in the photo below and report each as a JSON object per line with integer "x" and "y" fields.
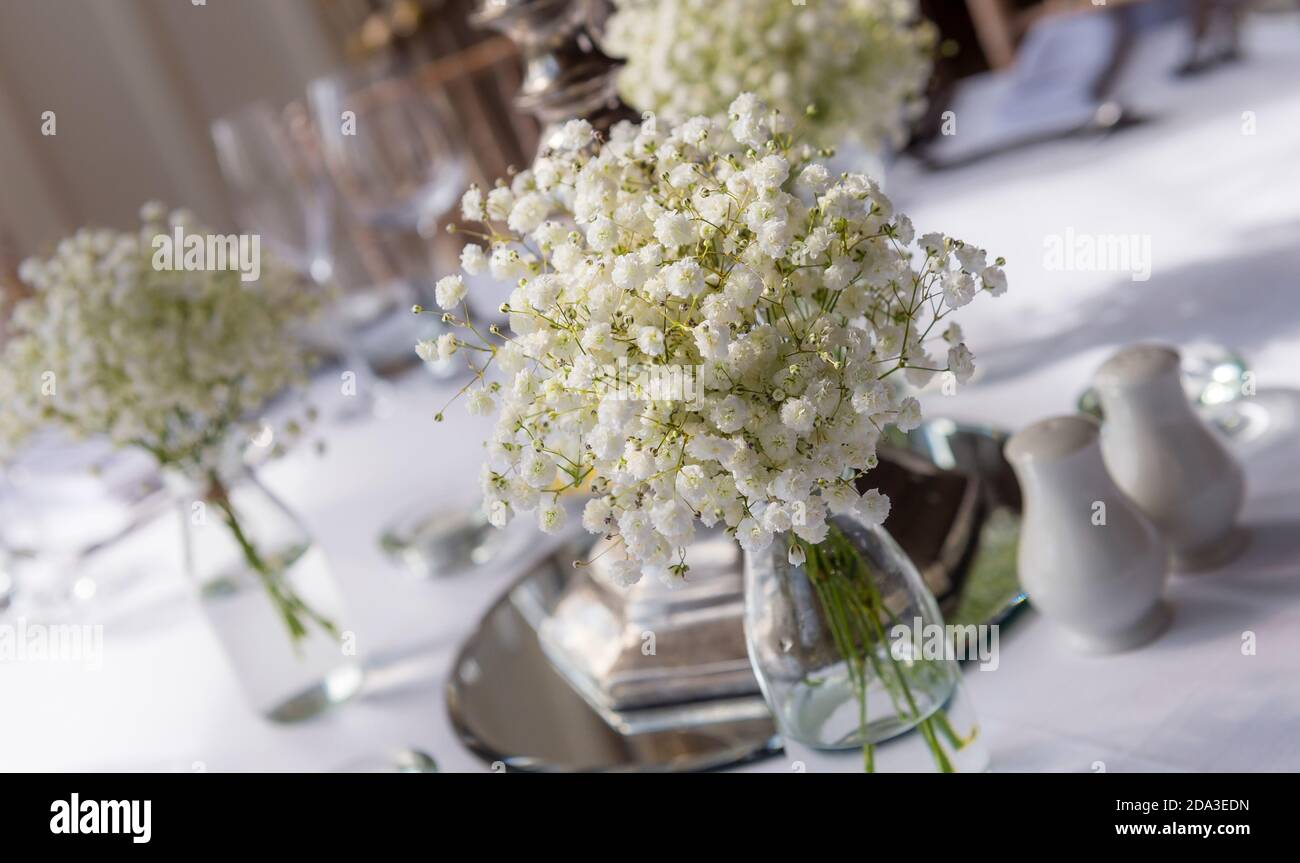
{"x": 1088, "y": 559}
{"x": 1166, "y": 460}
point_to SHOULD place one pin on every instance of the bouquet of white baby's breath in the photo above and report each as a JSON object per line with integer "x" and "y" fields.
{"x": 167, "y": 360}
{"x": 717, "y": 255}
{"x": 176, "y": 362}
{"x": 862, "y": 65}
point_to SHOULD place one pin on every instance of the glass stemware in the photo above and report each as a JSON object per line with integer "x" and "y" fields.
{"x": 275, "y": 191}
{"x": 280, "y": 192}
{"x": 389, "y": 144}
{"x": 63, "y": 503}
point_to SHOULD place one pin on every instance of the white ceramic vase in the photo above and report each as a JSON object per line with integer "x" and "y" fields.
{"x": 1166, "y": 460}
{"x": 1088, "y": 559}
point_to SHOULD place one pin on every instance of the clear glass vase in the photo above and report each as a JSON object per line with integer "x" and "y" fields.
{"x": 267, "y": 593}
{"x": 831, "y": 642}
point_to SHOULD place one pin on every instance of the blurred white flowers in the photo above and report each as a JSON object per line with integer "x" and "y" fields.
{"x": 862, "y": 64}
{"x": 169, "y": 361}
{"x": 790, "y": 299}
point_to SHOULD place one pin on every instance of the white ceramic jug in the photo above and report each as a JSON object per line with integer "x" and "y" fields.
{"x": 1088, "y": 559}
{"x": 1166, "y": 460}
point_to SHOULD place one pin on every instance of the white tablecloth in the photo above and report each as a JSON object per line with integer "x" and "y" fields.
{"x": 1223, "y": 212}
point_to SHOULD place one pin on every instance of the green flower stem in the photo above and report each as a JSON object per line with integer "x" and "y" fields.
{"x": 956, "y": 740}
{"x": 870, "y": 614}
{"x": 853, "y": 608}
{"x": 839, "y": 624}
{"x": 293, "y": 610}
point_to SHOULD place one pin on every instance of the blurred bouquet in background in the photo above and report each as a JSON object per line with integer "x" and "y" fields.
{"x": 172, "y": 359}
{"x": 861, "y": 65}
{"x": 168, "y": 360}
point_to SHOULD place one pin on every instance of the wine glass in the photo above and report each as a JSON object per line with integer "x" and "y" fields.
{"x": 63, "y": 503}
{"x": 280, "y": 192}
{"x": 276, "y": 194}
{"x": 389, "y": 143}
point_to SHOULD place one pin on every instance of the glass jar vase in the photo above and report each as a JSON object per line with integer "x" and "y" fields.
{"x": 830, "y": 631}
{"x": 267, "y": 593}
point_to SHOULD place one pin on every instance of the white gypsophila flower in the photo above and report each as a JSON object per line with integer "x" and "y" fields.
{"x": 933, "y": 243}
{"x": 961, "y": 362}
{"x": 173, "y": 361}
{"x": 995, "y": 281}
{"x": 958, "y": 289}
{"x": 575, "y": 134}
{"x": 500, "y": 202}
{"x": 550, "y": 518}
{"x": 528, "y": 213}
{"x": 596, "y": 515}
{"x": 972, "y": 259}
{"x": 624, "y": 572}
{"x": 446, "y": 346}
{"x": 479, "y": 402}
{"x": 872, "y": 398}
{"x": 650, "y": 340}
{"x": 798, "y": 414}
{"x": 752, "y": 536}
{"x": 472, "y": 207}
{"x": 449, "y": 291}
{"x": 537, "y": 469}
{"x": 674, "y": 229}
{"x": 909, "y": 415}
{"x": 472, "y": 259}
{"x": 862, "y": 65}
{"x": 680, "y": 360}
{"x": 873, "y": 507}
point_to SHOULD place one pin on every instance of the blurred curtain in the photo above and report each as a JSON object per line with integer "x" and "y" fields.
{"x": 133, "y": 85}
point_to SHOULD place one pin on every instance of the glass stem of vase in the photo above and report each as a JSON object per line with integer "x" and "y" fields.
{"x": 294, "y": 611}
{"x": 852, "y": 607}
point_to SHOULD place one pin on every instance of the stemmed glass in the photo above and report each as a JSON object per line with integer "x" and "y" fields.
{"x": 389, "y": 143}
{"x": 276, "y": 193}
{"x": 64, "y": 504}
{"x": 281, "y": 192}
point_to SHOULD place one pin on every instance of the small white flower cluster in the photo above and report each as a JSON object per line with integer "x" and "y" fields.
{"x": 861, "y": 64}
{"x": 797, "y": 299}
{"x": 168, "y": 361}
